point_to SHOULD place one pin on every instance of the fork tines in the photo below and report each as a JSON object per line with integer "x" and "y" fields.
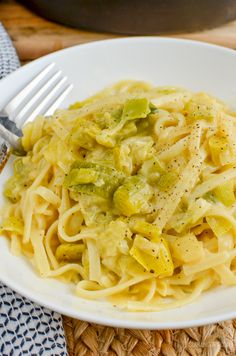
{"x": 41, "y": 96}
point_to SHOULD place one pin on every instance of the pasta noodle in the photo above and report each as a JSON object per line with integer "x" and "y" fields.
{"x": 129, "y": 194}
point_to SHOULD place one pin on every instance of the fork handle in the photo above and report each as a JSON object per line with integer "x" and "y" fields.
{"x": 11, "y": 138}
{"x": 9, "y": 124}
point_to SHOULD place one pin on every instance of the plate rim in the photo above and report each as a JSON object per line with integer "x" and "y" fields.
{"x": 144, "y": 325}
{"x": 79, "y": 314}
{"x": 122, "y": 39}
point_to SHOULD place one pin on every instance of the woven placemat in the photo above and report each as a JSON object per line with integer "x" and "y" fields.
{"x": 85, "y": 339}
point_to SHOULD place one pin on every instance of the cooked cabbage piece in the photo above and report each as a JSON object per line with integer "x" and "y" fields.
{"x": 157, "y": 259}
{"x": 19, "y": 181}
{"x": 114, "y": 239}
{"x": 152, "y": 169}
{"x": 84, "y": 133}
{"x": 167, "y": 180}
{"x": 69, "y": 252}
{"x": 218, "y": 145}
{"x": 146, "y": 229}
{"x": 132, "y": 196}
{"x": 12, "y": 224}
{"x": 93, "y": 178}
{"x": 133, "y": 109}
{"x": 187, "y": 248}
{"x": 136, "y": 109}
{"x": 202, "y": 107}
{"x": 225, "y": 193}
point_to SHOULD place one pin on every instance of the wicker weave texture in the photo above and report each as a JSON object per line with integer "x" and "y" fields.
{"x": 85, "y": 339}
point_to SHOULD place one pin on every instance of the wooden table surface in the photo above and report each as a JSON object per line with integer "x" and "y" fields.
{"x": 34, "y": 36}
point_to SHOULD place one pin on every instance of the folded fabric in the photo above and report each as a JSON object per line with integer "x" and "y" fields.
{"x": 25, "y": 327}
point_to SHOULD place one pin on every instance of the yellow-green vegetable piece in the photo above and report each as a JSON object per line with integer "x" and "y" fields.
{"x": 136, "y": 109}
{"x": 161, "y": 265}
{"x": 69, "y": 252}
{"x": 147, "y": 246}
{"x": 219, "y": 225}
{"x": 146, "y": 229}
{"x": 151, "y": 170}
{"x": 83, "y": 175}
{"x": 97, "y": 180}
{"x": 20, "y": 180}
{"x": 56, "y": 152}
{"x": 83, "y": 134}
{"x": 225, "y": 193}
{"x": 196, "y": 211}
{"x": 167, "y": 181}
{"x": 113, "y": 239}
{"x": 201, "y": 107}
{"x": 210, "y": 197}
{"x": 132, "y": 197}
{"x": 12, "y": 224}
{"x": 128, "y": 264}
{"x": 218, "y": 144}
{"x": 133, "y": 109}
{"x": 187, "y": 248}
{"x": 76, "y": 105}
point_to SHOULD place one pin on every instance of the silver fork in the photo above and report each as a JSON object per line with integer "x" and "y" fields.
{"x": 41, "y": 96}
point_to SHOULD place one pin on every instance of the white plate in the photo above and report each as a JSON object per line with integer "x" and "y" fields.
{"x": 90, "y": 67}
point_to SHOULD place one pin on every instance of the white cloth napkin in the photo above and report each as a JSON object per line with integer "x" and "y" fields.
{"x": 25, "y": 327}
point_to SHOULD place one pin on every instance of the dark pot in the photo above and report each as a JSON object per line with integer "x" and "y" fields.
{"x": 137, "y": 16}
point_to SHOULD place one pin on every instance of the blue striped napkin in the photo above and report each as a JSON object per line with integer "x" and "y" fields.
{"x": 25, "y": 328}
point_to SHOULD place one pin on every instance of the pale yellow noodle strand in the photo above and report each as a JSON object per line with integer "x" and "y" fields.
{"x": 94, "y": 260}
{"x": 211, "y": 260}
{"x": 27, "y": 203}
{"x": 27, "y": 213}
{"x": 185, "y": 183}
{"x": 217, "y": 210}
{"x": 40, "y": 222}
{"x": 40, "y": 256}
{"x": 176, "y": 100}
{"x": 228, "y": 125}
{"x": 48, "y": 238}
{"x": 62, "y": 222}
{"x": 173, "y": 151}
{"x": 151, "y": 292}
{"x": 111, "y": 101}
{"x": 158, "y": 306}
{"x": 48, "y": 195}
{"x": 83, "y": 288}
{"x": 226, "y": 275}
{"x": 213, "y": 182}
{"x": 69, "y": 267}
{"x": 195, "y": 138}
{"x": 60, "y": 130}
{"x": 65, "y": 201}
{"x": 178, "y": 133}
{"x": 225, "y": 242}
{"x": 164, "y": 122}
{"x": 40, "y": 176}
{"x": 39, "y": 208}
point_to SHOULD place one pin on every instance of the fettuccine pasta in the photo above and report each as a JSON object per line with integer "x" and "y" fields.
{"x": 130, "y": 195}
